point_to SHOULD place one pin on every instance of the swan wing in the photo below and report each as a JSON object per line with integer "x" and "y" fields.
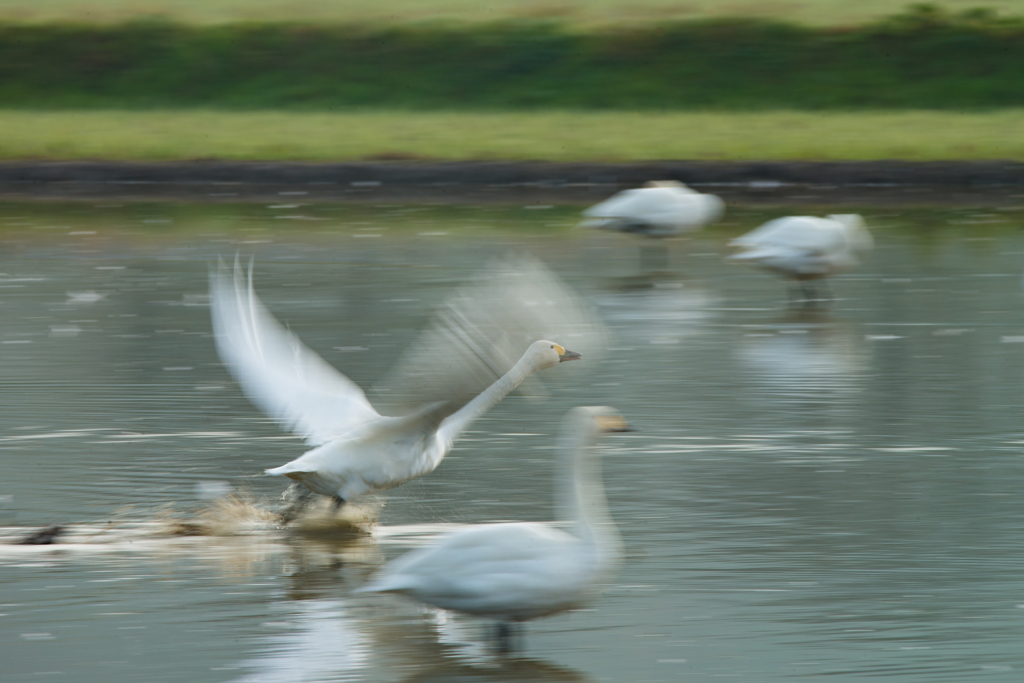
{"x": 667, "y": 205}
{"x": 482, "y": 330}
{"x": 277, "y": 372}
{"x": 624, "y": 204}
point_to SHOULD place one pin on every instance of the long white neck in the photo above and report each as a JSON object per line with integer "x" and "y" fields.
{"x": 456, "y": 423}
{"x": 581, "y": 499}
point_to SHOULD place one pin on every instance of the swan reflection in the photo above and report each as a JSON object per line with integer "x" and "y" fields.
{"x": 505, "y": 671}
{"x": 659, "y": 312}
{"x": 801, "y": 358}
{"x": 324, "y": 641}
{"x": 332, "y": 639}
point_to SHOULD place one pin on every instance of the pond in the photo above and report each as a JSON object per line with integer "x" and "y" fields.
{"x": 809, "y": 493}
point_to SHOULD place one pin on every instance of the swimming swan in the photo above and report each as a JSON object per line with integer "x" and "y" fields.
{"x": 357, "y": 450}
{"x": 804, "y": 248}
{"x": 520, "y": 571}
{"x": 662, "y": 208}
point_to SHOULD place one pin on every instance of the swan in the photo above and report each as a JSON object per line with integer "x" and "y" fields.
{"x": 513, "y": 572}
{"x": 662, "y": 208}
{"x": 356, "y": 449}
{"x": 804, "y": 248}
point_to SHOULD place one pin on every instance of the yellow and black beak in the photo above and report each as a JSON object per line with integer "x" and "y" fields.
{"x": 564, "y": 355}
{"x": 611, "y": 424}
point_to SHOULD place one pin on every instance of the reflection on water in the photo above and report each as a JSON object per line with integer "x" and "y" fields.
{"x": 325, "y": 642}
{"x": 825, "y": 494}
{"x": 506, "y": 671}
{"x": 805, "y": 358}
{"x": 658, "y": 312}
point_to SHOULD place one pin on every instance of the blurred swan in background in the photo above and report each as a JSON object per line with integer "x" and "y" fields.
{"x": 519, "y": 571}
{"x": 804, "y": 248}
{"x": 662, "y": 208}
{"x": 468, "y": 370}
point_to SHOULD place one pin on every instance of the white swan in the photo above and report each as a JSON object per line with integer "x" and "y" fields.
{"x": 520, "y": 571}
{"x": 357, "y": 450}
{"x": 662, "y": 208}
{"x": 804, "y": 248}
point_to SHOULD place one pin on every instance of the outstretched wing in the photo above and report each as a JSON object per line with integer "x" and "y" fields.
{"x": 482, "y": 330}
{"x": 277, "y": 372}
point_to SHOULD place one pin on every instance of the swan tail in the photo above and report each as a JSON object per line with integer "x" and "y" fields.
{"x": 288, "y": 471}
{"x": 754, "y": 254}
{"x": 385, "y": 584}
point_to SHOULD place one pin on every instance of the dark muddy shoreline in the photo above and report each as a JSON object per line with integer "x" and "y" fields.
{"x": 980, "y": 183}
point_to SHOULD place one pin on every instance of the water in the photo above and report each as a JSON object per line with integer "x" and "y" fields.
{"x": 809, "y": 495}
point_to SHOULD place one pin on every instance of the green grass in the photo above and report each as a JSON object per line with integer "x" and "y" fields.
{"x": 917, "y": 60}
{"x": 553, "y": 135}
{"x": 577, "y": 12}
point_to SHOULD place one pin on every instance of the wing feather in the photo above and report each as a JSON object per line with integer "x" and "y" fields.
{"x": 277, "y": 372}
{"x": 482, "y": 330}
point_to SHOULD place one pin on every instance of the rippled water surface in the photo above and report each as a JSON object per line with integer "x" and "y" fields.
{"x": 809, "y": 495}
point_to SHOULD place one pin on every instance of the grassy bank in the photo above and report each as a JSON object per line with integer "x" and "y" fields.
{"x": 554, "y": 136}
{"x": 920, "y": 60}
{"x": 576, "y": 12}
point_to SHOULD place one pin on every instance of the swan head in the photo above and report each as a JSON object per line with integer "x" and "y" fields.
{"x": 856, "y": 232}
{"x": 583, "y": 428}
{"x": 545, "y": 354}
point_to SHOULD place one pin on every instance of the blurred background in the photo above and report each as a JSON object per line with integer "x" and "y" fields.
{"x": 85, "y": 79}
{"x": 824, "y": 482}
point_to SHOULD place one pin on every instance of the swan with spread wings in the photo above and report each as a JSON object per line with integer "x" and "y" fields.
{"x": 464, "y": 370}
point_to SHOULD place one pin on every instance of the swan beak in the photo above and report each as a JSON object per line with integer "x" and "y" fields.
{"x": 569, "y": 355}
{"x": 613, "y": 424}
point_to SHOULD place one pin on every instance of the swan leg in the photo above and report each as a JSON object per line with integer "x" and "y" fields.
{"x": 504, "y": 637}
{"x": 810, "y": 296}
{"x": 301, "y": 497}
{"x": 795, "y": 295}
{"x": 828, "y": 297}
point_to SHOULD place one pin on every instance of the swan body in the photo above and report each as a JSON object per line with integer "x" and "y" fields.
{"x": 356, "y": 449}
{"x": 662, "y": 208}
{"x": 804, "y": 247}
{"x": 521, "y": 571}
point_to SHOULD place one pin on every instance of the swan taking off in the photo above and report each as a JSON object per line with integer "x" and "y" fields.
{"x": 804, "y": 248}
{"x": 356, "y": 449}
{"x": 662, "y": 208}
{"x": 520, "y": 571}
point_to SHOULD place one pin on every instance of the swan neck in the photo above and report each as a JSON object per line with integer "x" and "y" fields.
{"x": 581, "y": 498}
{"x": 457, "y": 422}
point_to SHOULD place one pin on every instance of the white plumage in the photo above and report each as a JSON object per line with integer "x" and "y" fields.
{"x": 804, "y": 248}
{"x": 357, "y": 450}
{"x": 663, "y": 208}
{"x": 520, "y": 571}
